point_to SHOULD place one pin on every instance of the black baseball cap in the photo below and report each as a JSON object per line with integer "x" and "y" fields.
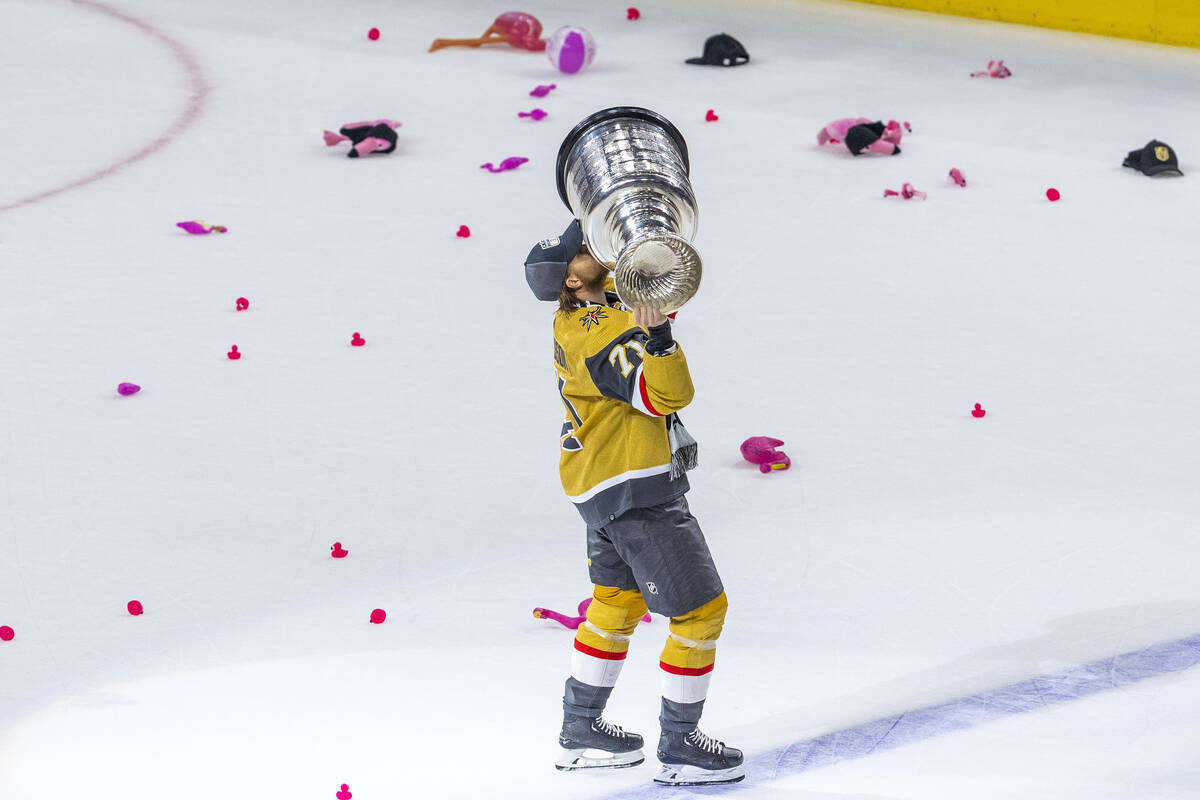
{"x": 1156, "y": 158}
{"x": 546, "y": 264}
{"x": 722, "y": 50}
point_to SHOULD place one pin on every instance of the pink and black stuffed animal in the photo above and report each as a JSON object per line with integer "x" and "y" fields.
{"x": 859, "y": 135}
{"x": 378, "y": 136}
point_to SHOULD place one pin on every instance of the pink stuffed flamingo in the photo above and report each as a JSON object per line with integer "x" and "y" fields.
{"x": 995, "y": 69}
{"x": 375, "y": 136}
{"x": 907, "y": 191}
{"x": 859, "y": 135}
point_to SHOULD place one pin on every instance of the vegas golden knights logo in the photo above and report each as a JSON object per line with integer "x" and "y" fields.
{"x": 1162, "y": 153}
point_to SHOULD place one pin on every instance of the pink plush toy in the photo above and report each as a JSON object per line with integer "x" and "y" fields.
{"x": 571, "y": 622}
{"x": 373, "y": 136}
{"x": 859, "y": 135}
{"x": 835, "y": 132}
{"x": 761, "y": 450}
{"x": 995, "y": 69}
{"x": 907, "y": 191}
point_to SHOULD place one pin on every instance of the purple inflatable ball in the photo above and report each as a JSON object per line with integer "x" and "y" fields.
{"x": 571, "y": 49}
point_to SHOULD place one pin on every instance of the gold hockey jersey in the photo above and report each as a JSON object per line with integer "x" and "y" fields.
{"x": 615, "y": 453}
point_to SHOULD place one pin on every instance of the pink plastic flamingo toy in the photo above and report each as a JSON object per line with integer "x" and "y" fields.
{"x": 571, "y": 622}
{"x": 200, "y": 227}
{"x": 512, "y": 162}
{"x": 761, "y": 450}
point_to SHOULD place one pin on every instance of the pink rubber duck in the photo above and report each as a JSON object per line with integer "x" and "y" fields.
{"x": 344, "y": 794}
{"x": 761, "y": 450}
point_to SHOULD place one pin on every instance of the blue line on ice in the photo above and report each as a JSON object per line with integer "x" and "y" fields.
{"x": 961, "y": 713}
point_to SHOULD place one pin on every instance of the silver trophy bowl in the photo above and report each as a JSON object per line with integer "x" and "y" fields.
{"x": 623, "y": 173}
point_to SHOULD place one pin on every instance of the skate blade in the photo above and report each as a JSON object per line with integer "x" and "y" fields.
{"x": 683, "y": 775}
{"x": 587, "y": 758}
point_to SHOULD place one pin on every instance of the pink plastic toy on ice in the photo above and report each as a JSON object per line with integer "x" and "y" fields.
{"x": 200, "y": 227}
{"x": 542, "y": 90}
{"x": 995, "y": 69}
{"x": 512, "y": 162}
{"x": 571, "y": 622}
{"x": 537, "y": 115}
{"x": 761, "y": 450}
{"x": 516, "y": 28}
{"x": 957, "y": 176}
{"x": 907, "y": 192}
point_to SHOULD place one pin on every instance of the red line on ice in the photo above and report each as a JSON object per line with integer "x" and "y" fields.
{"x": 199, "y": 91}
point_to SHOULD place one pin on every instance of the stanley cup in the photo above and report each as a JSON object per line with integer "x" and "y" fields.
{"x": 623, "y": 172}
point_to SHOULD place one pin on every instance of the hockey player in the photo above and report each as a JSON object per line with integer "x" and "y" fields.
{"x": 622, "y": 459}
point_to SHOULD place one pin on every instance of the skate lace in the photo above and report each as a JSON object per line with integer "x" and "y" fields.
{"x": 607, "y": 728}
{"x": 705, "y": 742}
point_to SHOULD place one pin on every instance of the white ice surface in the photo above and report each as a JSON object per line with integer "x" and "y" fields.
{"x": 911, "y": 555}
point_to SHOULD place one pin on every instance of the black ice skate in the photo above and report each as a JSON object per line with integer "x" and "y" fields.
{"x": 694, "y": 758}
{"x": 597, "y": 744}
